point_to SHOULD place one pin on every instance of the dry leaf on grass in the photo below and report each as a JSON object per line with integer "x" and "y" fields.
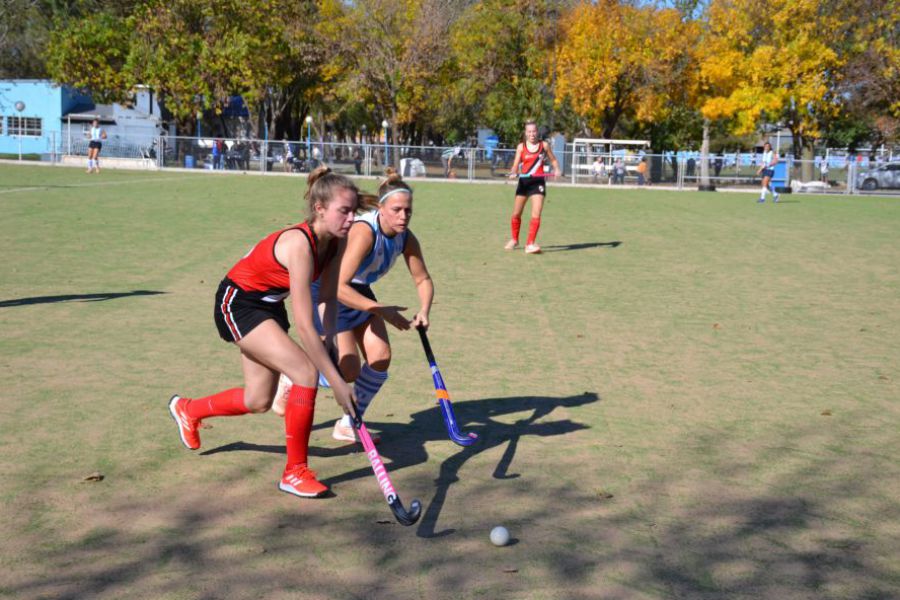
{"x": 95, "y": 476}
{"x": 510, "y": 570}
{"x": 826, "y": 412}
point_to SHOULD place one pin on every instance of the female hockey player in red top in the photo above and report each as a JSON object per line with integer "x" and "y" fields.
{"x": 250, "y": 312}
{"x": 530, "y": 166}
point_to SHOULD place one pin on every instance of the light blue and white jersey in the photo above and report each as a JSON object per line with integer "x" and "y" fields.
{"x": 384, "y": 251}
{"x": 767, "y": 158}
{"x": 95, "y": 134}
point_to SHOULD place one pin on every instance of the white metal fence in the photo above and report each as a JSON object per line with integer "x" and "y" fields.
{"x": 679, "y": 170}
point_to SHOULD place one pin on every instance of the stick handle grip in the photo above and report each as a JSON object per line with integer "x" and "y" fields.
{"x": 427, "y": 346}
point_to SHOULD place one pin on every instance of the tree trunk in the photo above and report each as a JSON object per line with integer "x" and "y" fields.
{"x": 809, "y": 157}
{"x": 395, "y": 153}
{"x": 704, "y": 154}
{"x": 803, "y": 148}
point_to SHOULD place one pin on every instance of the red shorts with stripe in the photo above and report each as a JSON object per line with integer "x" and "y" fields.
{"x": 238, "y": 312}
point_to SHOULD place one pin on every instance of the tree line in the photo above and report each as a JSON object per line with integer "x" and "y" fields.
{"x": 679, "y": 73}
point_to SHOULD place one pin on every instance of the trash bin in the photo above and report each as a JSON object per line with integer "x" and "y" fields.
{"x": 188, "y": 161}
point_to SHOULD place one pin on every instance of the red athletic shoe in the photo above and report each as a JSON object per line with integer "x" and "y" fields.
{"x": 301, "y": 481}
{"x": 188, "y": 428}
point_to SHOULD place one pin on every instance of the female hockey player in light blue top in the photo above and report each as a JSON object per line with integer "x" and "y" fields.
{"x": 97, "y": 135}
{"x": 375, "y": 241}
{"x": 767, "y": 170}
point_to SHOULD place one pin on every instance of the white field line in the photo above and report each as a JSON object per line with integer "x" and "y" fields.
{"x": 94, "y": 184}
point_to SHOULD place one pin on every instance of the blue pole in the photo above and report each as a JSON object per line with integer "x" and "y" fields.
{"x": 387, "y": 158}
{"x": 308, "y": 154}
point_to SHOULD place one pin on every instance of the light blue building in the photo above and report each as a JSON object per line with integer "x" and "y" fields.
{"x": 31, "y": 114}
{"x": 41, "y": 117}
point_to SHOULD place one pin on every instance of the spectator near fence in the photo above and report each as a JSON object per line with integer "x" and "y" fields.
{"x": 642, "y": 172}
{"x": 288, "y": 156}
{"x": 823, "y": 170}
{"x": 619, "y": 170}
{"x": 447, "y": 157}
{"x": 218, "y": 149}
{"x": 357, "y": 160}
{"x": 244, "y": 160}
{"x": 598, "y": 170}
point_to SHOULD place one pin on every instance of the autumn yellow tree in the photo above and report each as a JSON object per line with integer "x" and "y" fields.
{"x": 770, "y": 61}
{"x": 618, "y": 60}
{"x": 870, "y": 76}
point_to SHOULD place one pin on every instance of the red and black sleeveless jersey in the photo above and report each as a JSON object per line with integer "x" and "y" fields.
{"x": 260, "y": 271}
{"x": 532, "y": 162}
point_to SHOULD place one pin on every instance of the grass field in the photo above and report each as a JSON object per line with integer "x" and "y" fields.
{"x": 686, "y": 396}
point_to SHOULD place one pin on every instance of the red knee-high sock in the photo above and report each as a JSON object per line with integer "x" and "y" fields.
{"x": 298, "y": 419}
{"x": 224, "y": 404}
{"x": 515, "y": 225}
{"x": 533, "y": 229}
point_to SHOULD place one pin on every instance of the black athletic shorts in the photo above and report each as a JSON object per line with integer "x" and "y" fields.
{"x": 95, "y": 144}
{"x": 238, "y": 312}
{"x": 531, "y": 186}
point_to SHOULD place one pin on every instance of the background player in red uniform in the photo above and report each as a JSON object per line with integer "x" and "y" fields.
{"x": 530, "y": 166}
{"x": 250, "y": 312}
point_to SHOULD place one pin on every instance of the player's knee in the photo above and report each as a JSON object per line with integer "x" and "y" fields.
{"x": 349, "y": 365}
{"x": 257, "y": 403}
{"x": 381, "y": 360}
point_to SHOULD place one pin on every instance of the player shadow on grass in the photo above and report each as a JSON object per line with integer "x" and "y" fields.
{"x": 582, "y": 246}
{"x": 76, "y": 297}
{"x": 492, "y": 433}
{"x": 404, "y": 442}
{"x": 318, "y": 451}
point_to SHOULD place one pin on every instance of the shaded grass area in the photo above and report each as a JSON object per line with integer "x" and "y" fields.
{"x": 687, "y": 395}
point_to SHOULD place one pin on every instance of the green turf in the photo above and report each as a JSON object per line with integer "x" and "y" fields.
{"x": 687, "y": 395}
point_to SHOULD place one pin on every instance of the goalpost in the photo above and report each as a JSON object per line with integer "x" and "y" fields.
{"x": 585, "y": 150}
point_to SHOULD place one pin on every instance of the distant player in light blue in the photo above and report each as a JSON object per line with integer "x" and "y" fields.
{"x": 376, "y": 240}
{"x": 767, "y": 170}
{"x": 96, "y": 135}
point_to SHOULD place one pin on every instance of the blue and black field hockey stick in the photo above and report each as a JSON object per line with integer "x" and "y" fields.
{"x": 443, "y": 396}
